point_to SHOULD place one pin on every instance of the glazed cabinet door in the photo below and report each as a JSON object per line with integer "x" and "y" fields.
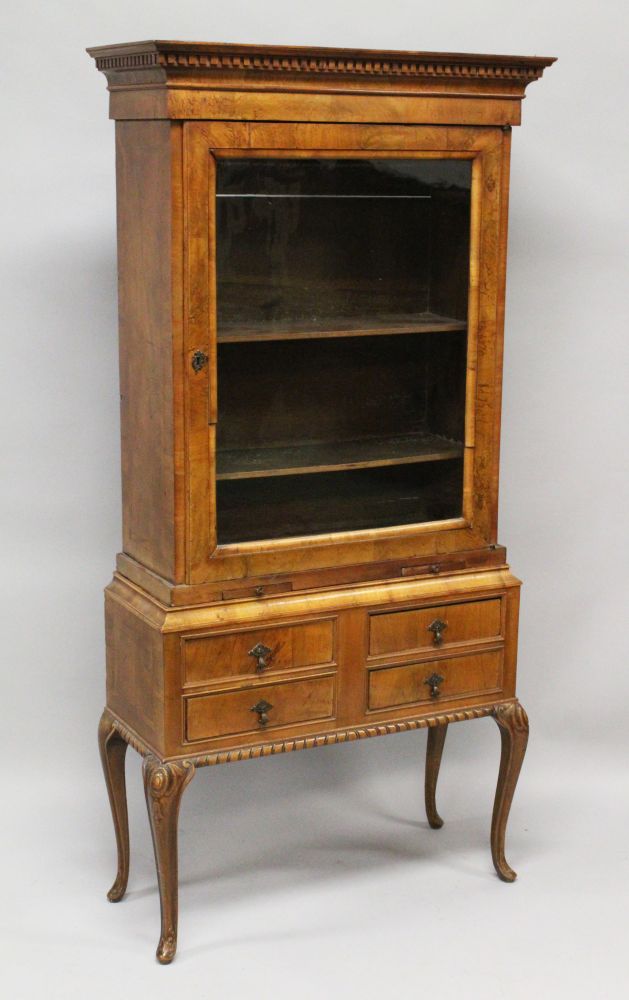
{"x": 344, "y": 334}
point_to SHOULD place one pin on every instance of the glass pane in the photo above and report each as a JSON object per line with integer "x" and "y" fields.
{"x": 342, "y": 329}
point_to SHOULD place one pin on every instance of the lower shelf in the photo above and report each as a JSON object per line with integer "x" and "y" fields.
{"x": 329, "y": 456}
{"x": 355, "y": 500}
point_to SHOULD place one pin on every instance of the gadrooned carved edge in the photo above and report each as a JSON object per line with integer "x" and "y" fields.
{"x": 130, "y": 737}
{"x": 503, "y": 712}
{"x": 303, "y": 63}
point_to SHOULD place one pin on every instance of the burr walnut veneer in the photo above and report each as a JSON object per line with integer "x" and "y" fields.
{"x": 311, "y": 255}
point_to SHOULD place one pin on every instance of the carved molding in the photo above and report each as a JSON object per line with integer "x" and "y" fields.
{"x": 307, "y": 742}
{"x": 340, "y": 736}
{"x": 316, "y": 62}
{"x": 326, "y": 739}
{"x": 132, "y": 738}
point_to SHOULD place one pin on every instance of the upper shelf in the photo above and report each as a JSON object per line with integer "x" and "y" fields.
{"x": 361, "y": 326}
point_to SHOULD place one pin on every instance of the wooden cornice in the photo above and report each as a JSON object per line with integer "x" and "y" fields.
{"x": 149, "y": 79}
{"x": 213, "y": 57}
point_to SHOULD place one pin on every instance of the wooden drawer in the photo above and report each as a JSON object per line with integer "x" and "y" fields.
{"x": 228, "y": 713}
{"x": 208, "y": 658}
{"x": 406, "y": 631}
{"x": 478, "y": 674}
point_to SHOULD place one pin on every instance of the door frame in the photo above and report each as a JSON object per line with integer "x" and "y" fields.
{"x": 489, "y": 149}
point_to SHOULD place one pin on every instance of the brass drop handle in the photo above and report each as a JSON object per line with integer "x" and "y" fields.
{"x": 261, "y": 655}
{"x": 437, "y": 628}
{"x": 262, "y": 708}
{"x": 433, "y": 683}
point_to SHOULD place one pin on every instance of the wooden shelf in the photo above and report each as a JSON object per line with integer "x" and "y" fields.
{"x": 361, "y": 326}
{"x": 335, "y": 456}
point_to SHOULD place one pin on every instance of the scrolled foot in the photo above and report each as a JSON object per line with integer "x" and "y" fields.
{"x": 505, "y": 872}
{"x": 166, "y": 949}
{"x": 117, "y": 891}
{"x": 514, "y": 733}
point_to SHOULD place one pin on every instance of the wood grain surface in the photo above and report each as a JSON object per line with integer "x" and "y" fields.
{"x": 310, "y": 467}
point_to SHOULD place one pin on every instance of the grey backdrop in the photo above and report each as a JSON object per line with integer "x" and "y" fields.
{"x": 315, "y": 874}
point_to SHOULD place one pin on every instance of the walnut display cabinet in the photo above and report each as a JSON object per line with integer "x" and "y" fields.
{"x": 311, "y": 259}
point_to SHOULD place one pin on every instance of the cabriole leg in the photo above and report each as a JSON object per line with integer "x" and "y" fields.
{"x": 514, "y": 733}
{"x": 434, "y": 751}
{"x": 112, "y": 754}
{"x": 163, "y": 786}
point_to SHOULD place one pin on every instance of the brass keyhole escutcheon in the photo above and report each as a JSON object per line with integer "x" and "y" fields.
{"x": 262, "y": 708}
{"x": 262, "y": 655}
{"x": 199, "y": 360}
{"x": 437, "y": 628}
{"x": 433, "y": 683}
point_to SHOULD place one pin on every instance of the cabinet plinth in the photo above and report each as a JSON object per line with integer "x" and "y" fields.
{"x": 312, "y": 259}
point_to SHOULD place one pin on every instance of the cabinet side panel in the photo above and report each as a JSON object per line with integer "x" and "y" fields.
{"x": 143, "y": 174}
{"x": 135, "y": 671}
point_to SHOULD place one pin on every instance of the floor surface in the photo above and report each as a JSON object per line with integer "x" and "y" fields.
{"x": 315, "y": 875}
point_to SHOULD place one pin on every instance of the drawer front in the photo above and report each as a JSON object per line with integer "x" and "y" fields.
{"x": 229, "y": 713}
{"x": 391, "y": 687}
{"x": 208, "y": 658}
{"x": 418, "y": 628}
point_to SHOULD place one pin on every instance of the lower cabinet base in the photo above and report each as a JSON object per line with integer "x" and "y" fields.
{"x": 165, "y": 780}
